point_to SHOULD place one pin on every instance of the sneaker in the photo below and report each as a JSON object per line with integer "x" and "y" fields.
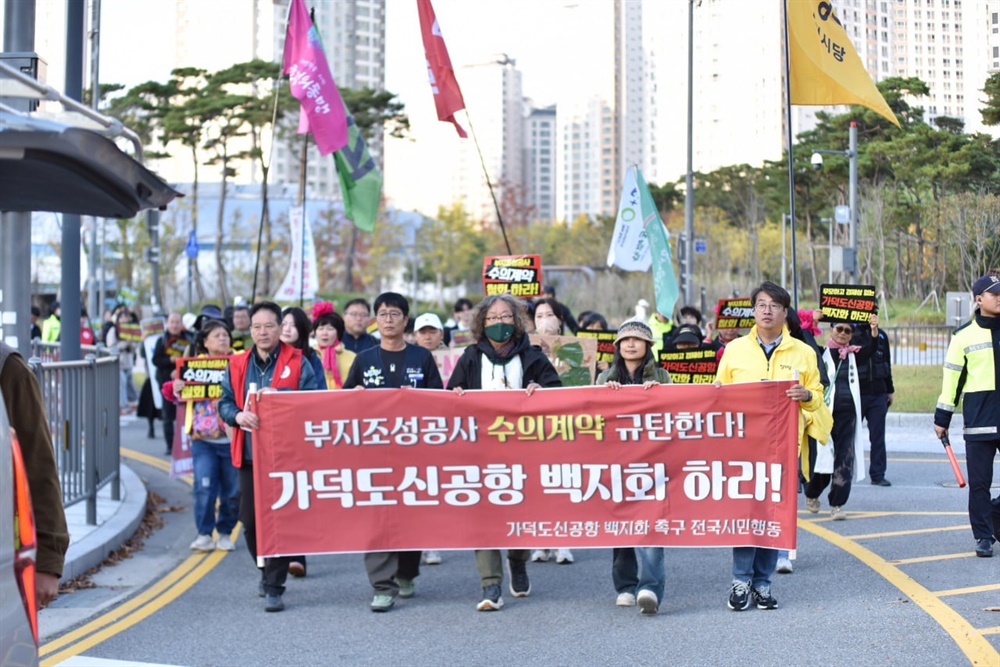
{"x": 297, "y": 569}
{"x": 984, "y": 548}
{"x": 812, "y": 504}
{"x": 739, "y": 596}
{"x": 784, "y": 566}
{"x": 203, "y": 543}
{"x": 432, "y": 558}
{"x": 625, "y": 599}
{"x": 837, "y": 513}
{"x": 763, "y": 599}
{"x": 273, "y": 603}
{"x": 648, "y": 604}
{"x": 225, "y": 544}
{"x": 406, "y": 587}
{"x": 382, "y": 602}
{"x": 539, "y": 556}
{"x": 491, "y": 599}
{"x": 564, "y": 556}
{"x": 520, "y": 586}
{"x": 881, "y": 482}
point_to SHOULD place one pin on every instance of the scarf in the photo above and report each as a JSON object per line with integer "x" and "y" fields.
{"x": 843, "y": 349}
{"x": 330, "y": 363}
{"x": 504, "y": 350}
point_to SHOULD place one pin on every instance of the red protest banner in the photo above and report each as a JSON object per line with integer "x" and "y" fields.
{"x": 676, "y": 466}
{"x": 517, "y": 275}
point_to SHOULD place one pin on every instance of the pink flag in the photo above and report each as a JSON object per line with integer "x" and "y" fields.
{"x": 444, "y": 85}
{"x": 309, "y": 75}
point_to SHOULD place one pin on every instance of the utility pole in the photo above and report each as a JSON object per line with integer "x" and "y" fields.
{"x": 69, "y": 336}
{"x": 689, "y": 178}
{"x": 15, "y": 228}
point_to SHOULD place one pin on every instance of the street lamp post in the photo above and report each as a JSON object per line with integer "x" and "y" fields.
{"x": 852, "y": 197}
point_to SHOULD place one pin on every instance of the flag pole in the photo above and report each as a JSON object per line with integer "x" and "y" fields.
{"x": 791, "y": 161}
{"x": 263, "y": 203}
{"x": 489, "y": 184}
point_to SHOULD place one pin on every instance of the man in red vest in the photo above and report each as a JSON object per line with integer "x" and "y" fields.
{"x": 270, "y": 366}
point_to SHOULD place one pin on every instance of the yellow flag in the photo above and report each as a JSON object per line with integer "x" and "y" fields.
{"x": 824, "y": 67}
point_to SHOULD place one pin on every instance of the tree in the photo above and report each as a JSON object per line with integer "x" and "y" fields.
{"x": 450, "y": 249}
{"x": 991, "y": 106}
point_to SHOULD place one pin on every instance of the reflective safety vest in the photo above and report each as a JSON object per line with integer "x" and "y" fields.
{"x": 972, "y": 371}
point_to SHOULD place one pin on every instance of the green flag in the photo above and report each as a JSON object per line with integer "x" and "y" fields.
{"x": 360, "y": 180}
{"x": 664, "y": 281}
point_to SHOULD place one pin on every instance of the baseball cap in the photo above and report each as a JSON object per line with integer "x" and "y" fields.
{"x": 688, "y": 334}
{"x": 428, "y": 320}
{"x": 986, "y": 284}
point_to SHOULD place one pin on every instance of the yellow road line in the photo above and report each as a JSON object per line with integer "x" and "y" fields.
{"x": 916, "y": 531}
{"x": 153, "y": 591}
{"x": 153, "y": 462}
{"x": 971, "y": 589}
{"x": 968, "y": 639}
{"x": 142, "y": 613}
{"x": 991, "y": 631}
{"x": 928, "y": 559}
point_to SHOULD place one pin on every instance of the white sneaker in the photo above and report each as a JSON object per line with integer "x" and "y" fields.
{"x": 225, "y": 544}
{"x": 648, "y": 603}
{"x": 432, "y": 558}
{"x": 539, "y": 556}
{"x": 837, "y": 513}
{"x": 564, "y": 556}
{"x": 784, "y": 566}
{"x": 625, "y": 599}
{"x": 812, "y": 504}
{"x": 203, "y": 543}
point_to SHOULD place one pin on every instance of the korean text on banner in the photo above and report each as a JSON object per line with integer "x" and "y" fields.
{"x": 629, "y": 247}
{"x": 677, "y": 466}
{"x": 847, "y": 303}
{"x": 824, "y": 67}
{"x": 447, "y": 95}
{"x": 309, "y": 76}
{"x": 517, "y": 275}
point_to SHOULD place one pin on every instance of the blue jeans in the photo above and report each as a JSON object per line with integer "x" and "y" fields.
{"x": 624, "y": 569}
{"x": 651, "y": 574}
{"x": 754, "y": 564}
{"x": 214, "y": 477}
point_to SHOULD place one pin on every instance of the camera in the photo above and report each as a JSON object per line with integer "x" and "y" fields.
{"x": 817, "y": 161}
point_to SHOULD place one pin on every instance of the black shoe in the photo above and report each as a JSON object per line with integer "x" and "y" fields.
{"x": 763, "y": 599}
{"x": 297, "y": 569}
{"x": 151, "y": 435}
{"x": 273, "y": 603}
{"x": 520, "y": 586}
{"x": 491, "y": 599}
{"x": 260, "y": 589}
{"x": 984, "y": 548}
{"x": 739, "y": 596}
{"x": 881, "y": 482}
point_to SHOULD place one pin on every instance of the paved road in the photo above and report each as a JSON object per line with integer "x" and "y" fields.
{"x": 897, "y": 583}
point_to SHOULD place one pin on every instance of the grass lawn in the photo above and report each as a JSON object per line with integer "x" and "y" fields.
{"x": 917, "y": 388}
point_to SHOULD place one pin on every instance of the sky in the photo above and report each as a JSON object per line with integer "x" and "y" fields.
{"x": 562, "y": 47}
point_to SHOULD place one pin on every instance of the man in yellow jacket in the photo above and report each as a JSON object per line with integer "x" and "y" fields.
{"x": 769, "y": 352}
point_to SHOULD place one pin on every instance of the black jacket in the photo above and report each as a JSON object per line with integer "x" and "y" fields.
{"x": 535, "y": 366}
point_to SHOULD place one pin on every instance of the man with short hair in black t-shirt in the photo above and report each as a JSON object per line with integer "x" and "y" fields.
{"x": 392, "y": 364}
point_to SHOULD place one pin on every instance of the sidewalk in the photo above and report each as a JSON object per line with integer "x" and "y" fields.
{"x": 118, "y": 520}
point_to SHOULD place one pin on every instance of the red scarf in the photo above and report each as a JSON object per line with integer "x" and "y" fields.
{"x": 330, "y": 364}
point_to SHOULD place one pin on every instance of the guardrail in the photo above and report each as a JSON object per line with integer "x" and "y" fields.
{"x": 918, "y": 345}
{"x": 81, "y": 402}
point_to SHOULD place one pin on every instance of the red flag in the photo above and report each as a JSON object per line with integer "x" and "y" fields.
{"x": 444, "y": 85}
{"x": 308, "y": 73}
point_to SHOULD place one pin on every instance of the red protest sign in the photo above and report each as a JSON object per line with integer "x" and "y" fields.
{"x": 517, "y": 275}
{"x": 587, "y": 467}
{"x": 847, "y": 303}
{"x": 734, "y": 314}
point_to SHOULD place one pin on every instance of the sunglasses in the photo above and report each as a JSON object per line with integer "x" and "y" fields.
{"x": 843, "y": 329}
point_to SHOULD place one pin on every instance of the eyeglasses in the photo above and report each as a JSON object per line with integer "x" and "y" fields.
{"x": 506, "y": 317}
{"x": 843, "y": 329}
{"x": 390, "y": 315}
{"x": 263, "y": 327}
{"x": 768, "y": 307}
{"x": 356, "y": 313}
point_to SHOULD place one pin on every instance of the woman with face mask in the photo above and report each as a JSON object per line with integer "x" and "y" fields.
{"x": 502, "y": 358}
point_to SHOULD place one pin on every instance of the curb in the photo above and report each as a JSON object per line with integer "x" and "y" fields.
{"x": 920, "y": 420}
{"x": 93, "y": 548}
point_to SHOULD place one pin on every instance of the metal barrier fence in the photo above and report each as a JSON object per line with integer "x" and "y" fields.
{"x": 81, "y": 402}
{"x": 919, "y": 345}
